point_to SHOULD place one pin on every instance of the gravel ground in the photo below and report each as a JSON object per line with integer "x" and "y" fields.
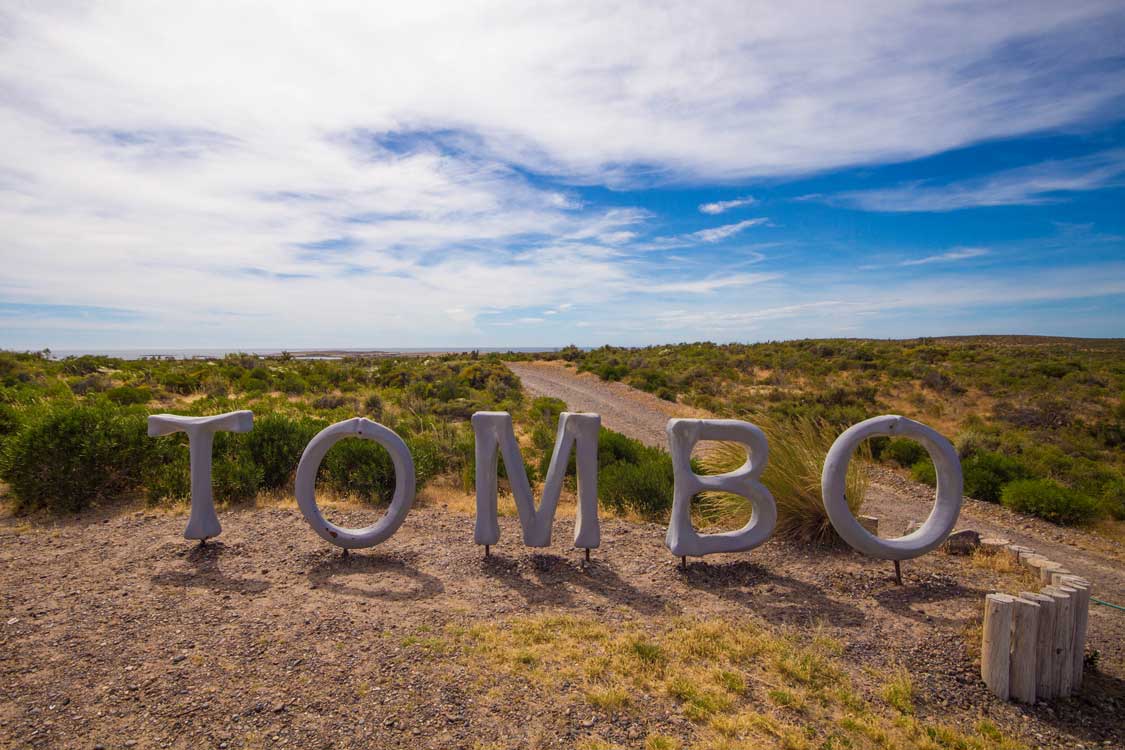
{"x": 116, "y": 632}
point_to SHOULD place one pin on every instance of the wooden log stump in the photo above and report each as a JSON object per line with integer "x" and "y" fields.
{"x": 1022, "y": 676}
{"x": 870, "y": 524}
{"x": 1064, "y": 638}
{"x": 996, "y": 640}
{"x": 992, "y": 545}
{"x": 1033, "y": 562}
{"x": 1044, "y": 645}
{"x": 1017, "y": 551}
{"x": 1081, "y": 621}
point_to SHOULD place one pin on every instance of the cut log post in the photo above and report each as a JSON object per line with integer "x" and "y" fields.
{"x": 1081, "y": 621}
{"x": 996, "y": 640}
{"x": 992, "y": 545}
{"x": 1033, "y": 563}
{"x": 1017, "y": 551}
{"x": 1064, "y": 638}
{"x": 1044, "y": 645}
{"x": 870, "y": 524}
{"x": 1047, "y": 573}
{"x": 1025, "y": 635}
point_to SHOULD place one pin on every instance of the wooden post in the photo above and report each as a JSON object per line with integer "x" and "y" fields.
{"x": 1032, "y": 562}
{"x": 995, "y": 656}
{"x": 870, "y": 524}
{"x": 1081, "y": 621}
{"x": 992, "y": 545}
{"x": 1064, "y": 638}
{"x": 1025, "y": 635}
{"x": 1044, "y": 645}
{"x": 1049, "y": 571}
{"x": 1018, "y": 551}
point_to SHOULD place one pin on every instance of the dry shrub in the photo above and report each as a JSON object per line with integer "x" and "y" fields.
{"x": 797, "y": 449}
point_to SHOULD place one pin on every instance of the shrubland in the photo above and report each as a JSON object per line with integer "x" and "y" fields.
{"x": 1019, "y": 409}
{"x": 73, "y": 431}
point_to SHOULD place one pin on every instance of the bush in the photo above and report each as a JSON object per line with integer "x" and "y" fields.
{"x": 1050, "y": 501}
{"x": 986, "y": 473}
{"x": 70, "y": 456}
{"x": 644, "y": 488}
{"x": 924, "y": 472}
{"x": 275, "y": 445}
{"x": 903, "y": 451}
{"x": 128, "y": 395}
{"x": 373, "y": 406}
{"x": 360, "y": 467}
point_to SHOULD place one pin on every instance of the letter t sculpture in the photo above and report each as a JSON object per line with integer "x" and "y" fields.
{"x": 203, "y": 522}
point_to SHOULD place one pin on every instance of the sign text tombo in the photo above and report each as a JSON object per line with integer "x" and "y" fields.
{"x": 579, "y": 433}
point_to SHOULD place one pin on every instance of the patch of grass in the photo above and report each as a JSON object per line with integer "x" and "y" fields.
{"x": 742, "y": 684}
{"x": 898, "y": 692}
{"x": 796, "y": 458}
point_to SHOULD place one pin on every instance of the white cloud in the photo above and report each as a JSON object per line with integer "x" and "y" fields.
{"x": 961, "y": 253}
{"x": 1031, "y": 185}
{"x": 344, "y": 173}
{"x": 719, "y": 207}
{"x": 717, "y": 234}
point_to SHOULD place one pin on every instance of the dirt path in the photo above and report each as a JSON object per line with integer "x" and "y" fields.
{"x": 892, "y": 497}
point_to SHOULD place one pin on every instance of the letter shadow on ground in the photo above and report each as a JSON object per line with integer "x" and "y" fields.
{"x": 548, "y": 573}
{"x": 208, "y": 574}
{"x": 902, "y": 600}
{"x": 331, "y": 572}
{"x": 777, "y": 598}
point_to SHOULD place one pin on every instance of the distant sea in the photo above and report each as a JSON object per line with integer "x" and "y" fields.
{"x": 325, "y": 353}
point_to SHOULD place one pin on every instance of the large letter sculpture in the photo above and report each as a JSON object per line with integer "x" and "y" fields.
{"x": 947, "y": 505}
{"x": 683, "y": 540}
{"x": 203, "y": 523}
{"x": 494, "y": 434}
{"x": 305, "y": 484}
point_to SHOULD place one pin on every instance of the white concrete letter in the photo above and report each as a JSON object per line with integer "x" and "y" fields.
{"x": 494, "y": 435}
{"x": 203, "y": 523}
{"x": 947, "y": 505}
{"x": 682, "y": 539}
{"x": 305, "y": 483}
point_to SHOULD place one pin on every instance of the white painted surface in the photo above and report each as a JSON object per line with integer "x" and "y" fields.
{"x": 682, "y": 538}
{"x": 203, "y": 523}
{"x": 947, "y": 505}
{"x": 495, "y": 437}
{"x": 305, "y": 485}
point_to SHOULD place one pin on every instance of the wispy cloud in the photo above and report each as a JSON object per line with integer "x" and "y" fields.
{"x": 1036, "y": 184}
{"x": 719, "y": 207}
{"x": 962, "y": 253}
{"x": 717, "y": 234}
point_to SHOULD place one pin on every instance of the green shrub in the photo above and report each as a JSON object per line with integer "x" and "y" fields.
{"x": 169, "y": 479}
{"x": 72, "y": 455}
{"x": 1113, "y": 498}
{"x": 128, "y": 395}
{"x": 1050, "y": 501}
{"x": 985, "y": 474}
{"x": 276, "y": 443}
{"x": 360, "y": 467}
{"x": 902, "y": 451}
{"x": 924, "y": 472}
{"x": 373, "y": 407}
{"x": 644, "y": 487}
{"x": 234, "y": 479}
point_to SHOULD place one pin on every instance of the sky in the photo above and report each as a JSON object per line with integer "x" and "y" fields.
{"x": 357, "y": 174}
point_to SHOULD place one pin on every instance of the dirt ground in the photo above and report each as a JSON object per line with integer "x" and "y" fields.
{"x": 116, "y": 632}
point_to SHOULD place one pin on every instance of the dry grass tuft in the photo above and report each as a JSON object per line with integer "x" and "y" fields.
{"x": 796, "y": 458}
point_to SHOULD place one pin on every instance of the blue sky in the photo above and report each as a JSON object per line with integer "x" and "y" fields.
{"x": 244, "y": 176}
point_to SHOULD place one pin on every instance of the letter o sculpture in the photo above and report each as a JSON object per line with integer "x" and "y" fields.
{"x": 305, "y": 484}
{"x": 947, "y": 504}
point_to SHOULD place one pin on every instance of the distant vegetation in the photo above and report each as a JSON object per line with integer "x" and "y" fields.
{"x": 1019, "y": 409}
{"x": 73, "y": 432}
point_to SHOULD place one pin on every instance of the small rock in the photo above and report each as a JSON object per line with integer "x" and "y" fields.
{"x": 961, "y": 542}
{"x": 178, "y": 658}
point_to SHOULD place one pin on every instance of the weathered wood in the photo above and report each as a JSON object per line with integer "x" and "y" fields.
{"x": 1022, "y": 665}
{"x": 1047, "y": 570}
{"x": 1081, "y": 621}
{"x": 1017, "y": 551}
{"x": 995, "y": 656}
{"x": 1064, "y": 638}
{"x": 1033, "y": 562}
{"x": 869, "y": 523}
{"x": 992, "y": 545}
{"x": 1045, "y": 688}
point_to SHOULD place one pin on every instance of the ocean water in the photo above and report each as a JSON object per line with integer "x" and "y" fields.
{"x": 325, "y": 353}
